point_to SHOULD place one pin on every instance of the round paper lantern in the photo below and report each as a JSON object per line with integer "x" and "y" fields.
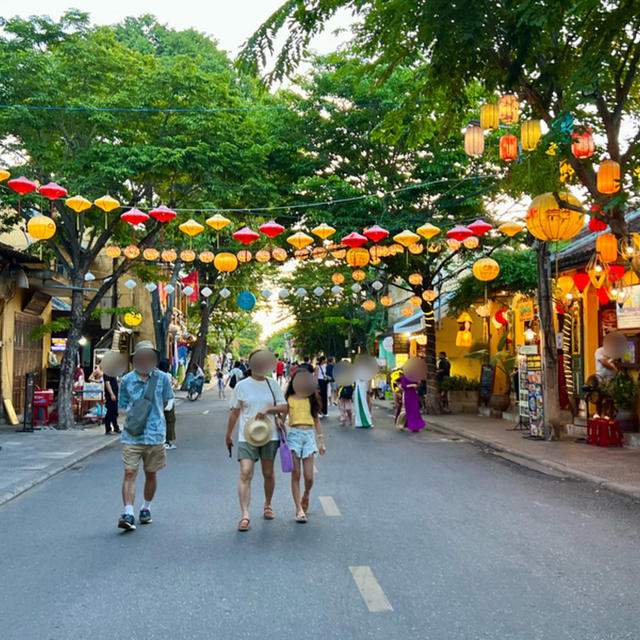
{"x": 358, "y": 275}
{"x": 191, "y": 228}
{"x": 486, "y": 269}
{"x": 225, "y": 262}
{"x": 338, "y": 253}
{"x": 21, "y": 185}
{"x": 52, "y": 191}
{"x": 300, "y": 240}
{"x": 187, "y": 255}
{"x": 354, "y": 240}
{"x": 408, "y": 311}
{"x": 323, "y": 231}
{"x": 169, "y": 255}
{"x": 302, "y": 254}
{"x": 583, "y": 146}
{"x": 358, "y": 257}
{"x": 279, "y": 254}
{"x": 406, "y": 238}
{"x": 337, "y": 278}
{"x": 375, "y": 233}
{"x": 150, "y": 254}
{"x": 4, "y": 174}
{"x": 271, "y": 228}
{"x": 80, "y": 204}
{"x": 508, "y": 147}
{"x": 607, "y": 247}
{"x": 386, "y": 301}
{"x": 530, "y": 134}
{"x": 415, "y": 279}
{"x": 368, "y": 305}
{"x": 510, "y": 228}
{"x": 596, "y": 225}
{"x": 581, "y": 280}
{"x": 415, "y": 301}
{"x": 206, "y": 256}
{"x": 319, "y": 253}
{"x": 547, "y": 220}
{"x": 131, "y": 252}
{"x": 244, "y": 256}
{"x": 246, "y": 235}
{"x": 113, "y": 252}
{"x": 459, "y": 233}
{"x": 474, "y": 141}
{"x": 416, "y": 248}
{"x": 471, "y": 243}
{"x": 263, "y": 255}
{"x": 608, "y": 180}
{"x": 565, "y": 284}
{"x": 479, "y": 227}
{"x": 429, "y": 295}
{"x": 246, "y": 300}
{"x": 428, "y": 231}
{"x": 41, "y": 227}
{"x": 508, "y": 109}
{"x": 132, "y": 319}
{"x": 489, "y": 116}
{"x": 218, "y": 221}
{"x": 162, "y": 214}
{"x": 453, "y": 245}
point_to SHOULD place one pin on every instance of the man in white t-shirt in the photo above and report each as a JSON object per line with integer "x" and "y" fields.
{"x": 250, "y": 396}
{"x": 605, "y": 367}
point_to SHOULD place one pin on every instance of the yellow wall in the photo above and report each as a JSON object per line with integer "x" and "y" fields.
{"x": 446, "y": 341}
{"x": 590, "y": 332}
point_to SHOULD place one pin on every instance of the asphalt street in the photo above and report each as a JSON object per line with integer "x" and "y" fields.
{"x": 409, "y": 536}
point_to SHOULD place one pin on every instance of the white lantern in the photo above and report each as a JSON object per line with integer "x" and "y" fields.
{"x": 206, "y": 292}
{"x": 130, "y": 284}
{"x": 283, "y": 293}
{"x": 336, "y": 289}
{"x": 377, "y": 285}
{"x": 187, "y": 290}
{"x": 150, "y": 287}
{"x": 266, "y": 294}
{"x": 356, "y": 288}
{"x": 301, "y": 292}
{"x": 169, "y": 289}
{"x": 318, "y": 291}
{"x": 89, "y": 277}
{"x": 225, "y": 293}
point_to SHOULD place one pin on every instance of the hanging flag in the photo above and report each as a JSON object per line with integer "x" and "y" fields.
{"x": 192, "y": 281}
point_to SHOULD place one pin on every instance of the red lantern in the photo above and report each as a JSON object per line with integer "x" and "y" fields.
{"x": 616, "y": 271}
{"x": 596, "y": 225}
{"x": 52, "y": 191}
{"x": 21, "y": 185}
{"x": 508, "y": 147}
{"x": 375, "y": 233}
{"x": 134, "y": 217}
{"x": 162, "y": 214}
{"x": 354, "y": 240}
{"x": 603, "y": 295}
{"x": 459, "y": 233}
{"x": 583, "y": 146}
{"x": 271, "y": 228}
{"x": 479, "y": 227}
{"x": 581, "y": 280}
{"x": 246, "y": 235}
{"x": 501, "y": 317}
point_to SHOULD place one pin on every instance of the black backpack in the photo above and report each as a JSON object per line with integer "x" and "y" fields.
{"x": 232, "y": 381}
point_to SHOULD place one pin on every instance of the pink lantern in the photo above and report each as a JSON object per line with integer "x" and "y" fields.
{"x": 52, "y": 191}
{"x": 134, "y": 217}
{"x": 162, "y": 214}
{"x": 22, "y": 186}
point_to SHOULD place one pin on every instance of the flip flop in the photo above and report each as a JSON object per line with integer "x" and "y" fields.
{"x": 301, "y": 519}
{"x": 268, "y": 513}
{"x": 244, "y": 527}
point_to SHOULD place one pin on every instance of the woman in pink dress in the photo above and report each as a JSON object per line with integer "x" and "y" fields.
{"x": 411, "y": 404}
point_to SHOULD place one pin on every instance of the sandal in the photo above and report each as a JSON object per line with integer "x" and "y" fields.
{"x": 304, "y": 503}
{"x": 302, "y": 519}
{"x": 243, "y": 525}
{"x": 268, "y": 513}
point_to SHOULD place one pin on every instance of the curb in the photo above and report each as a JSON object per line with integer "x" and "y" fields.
{"x": 54, "y": 469}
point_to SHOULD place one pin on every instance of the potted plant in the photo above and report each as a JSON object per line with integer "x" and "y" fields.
{"x": 463, "y": 393}
{"x": 624, "y": 391}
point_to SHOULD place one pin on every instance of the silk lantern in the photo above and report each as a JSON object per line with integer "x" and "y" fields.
{"x": 279, "y": 254}
{"x": 246, "y": 235}
{"x": 271, "y": 229}
{"x": 406, "y": 238}
{"x": 375, "y": 233}
{"x": 150, "y": 254}
{"x": 565, "y": 284}
{"x": 489, "y": 116}
{"x": 429, "y": 295}
{"x": 358, "y": 275}
{"x": 358, "y": 257}
{"x": 302, "y": 254}
{"x": 510, "y": 228}
{"x": 408, "y": 311}
{"x": 4, "y": 174}
{"x": 508, "y": 109}
{"x": 323, "y": 231}
{"x": 485, "y": 269}
{"x": 218, "y": 221}
{"x": 415, "y": 301}
{"x": 206, "y": 257}
{"x": 608, "y": 181}
{"x": 191, "y": 227}
{"x": 263, "y": 256}
{"x": 479, "y": 227}
{"x": 428, "y": 230}
{"x": 300, "y": 240}
{"x": 386, "y": 301}
{"x": 78, "y": 204}
{"x": 52, "y": 191}
{"x": 368, "y": 305}
{"x": 581, "y": 281}
{"x": 169, "y": 255}
{"x": 471, "y": 242}
{"x": 474, "y": 141}
{"x": 106, "y": 203}
{"x": 508, "y": 147}
{"x": 187, "y": 255}
{"x": 225, "y": 262}
{"x": 583, "y": 146}
{"x": 131, "y": 252}
{"x": 113, "y": 252}
{"x": 319, "y": 253}
{"x": 550, "y": 221}
{"x": 415, "y": 279}
{"x": 134, "y": 216}
{"x": 41, "y": 227}
{"x": 337, "y": 278}
{"x": 354, "y": 240}
{"x": 459, "y": 233}
{"x": 244, "y": 256}
{"x": 530, "y": 134}
{"x": 607, "y": 247}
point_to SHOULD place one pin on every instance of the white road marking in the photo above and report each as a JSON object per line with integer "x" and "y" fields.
{"x": 370, "y": 590}
{"x": 315, "y": 469}
{"x": 329, "y": 505}
{"x": 204, "y": 413}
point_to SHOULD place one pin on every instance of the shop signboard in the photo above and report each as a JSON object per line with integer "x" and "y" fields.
{"x": 526, "y": 310}
{"x": 535, "y": 397}
{"x": 628, "y": 315}
{"x": 400, "y": 343}
{"x": 523, "y": 389}
{"x": 58, "y": 344}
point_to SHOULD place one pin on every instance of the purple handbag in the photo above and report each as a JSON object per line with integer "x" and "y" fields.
{"x": 286, "y": 458}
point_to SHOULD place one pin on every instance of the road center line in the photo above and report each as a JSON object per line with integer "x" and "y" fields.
{"x": 205, "y": 412}
{"x": 329, "y": 505}
{"x": 370, "y": 590}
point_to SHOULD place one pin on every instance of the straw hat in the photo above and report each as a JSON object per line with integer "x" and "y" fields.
{"x": 258, "y": 431}
{"x": 144, "y": 345}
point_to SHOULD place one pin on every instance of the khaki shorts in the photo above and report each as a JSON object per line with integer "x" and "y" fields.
{"x": 153, "y": 456}
{"x": 248, "y": 451}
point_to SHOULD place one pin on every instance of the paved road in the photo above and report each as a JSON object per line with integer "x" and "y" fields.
{"x": 435, "y": 539}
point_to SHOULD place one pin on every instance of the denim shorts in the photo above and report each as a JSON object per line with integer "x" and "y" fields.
{"x": 302, "y": 442}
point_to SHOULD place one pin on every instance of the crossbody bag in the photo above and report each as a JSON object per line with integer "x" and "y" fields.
{"x": 286, "y": 457}
{"x": 138, "y": 413}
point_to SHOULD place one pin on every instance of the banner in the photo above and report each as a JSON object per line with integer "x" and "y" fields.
{"x": 192, "y": 281}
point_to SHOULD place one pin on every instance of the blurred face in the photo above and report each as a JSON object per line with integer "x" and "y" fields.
{"x": 415, "y": 369}
{"x": 145, "y": 362}
{"x": 262, "y": 362}
{"x": 304, "y": 383}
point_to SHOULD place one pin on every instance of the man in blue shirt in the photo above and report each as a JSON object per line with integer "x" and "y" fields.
{"x": 149, "y": 445}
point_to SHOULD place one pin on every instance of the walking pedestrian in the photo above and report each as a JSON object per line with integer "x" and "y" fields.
{"x": 332, "y": 388}
{"x": 144, "y": 393}
{"x": 170, "y": 409}
{"x": 320, "y": 374}
{"x": 111, "y": 403}
{"x": 306, "y": 364}
{"x": 411, "y": 401}
{"x": 444, "y": 371}
{"x": 345, "y": 404}
{"x": 279, "y": 369}
{"x": 235, "y": 375}
{"x": 257, "y": 439}
{"x": 220, "y": 378}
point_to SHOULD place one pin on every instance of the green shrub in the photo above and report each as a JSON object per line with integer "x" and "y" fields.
{"x": 459, "y": 383}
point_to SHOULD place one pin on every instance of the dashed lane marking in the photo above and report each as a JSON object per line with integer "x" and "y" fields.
{"x": 329, "y": 506}
{"x": 315, "y": 469}
{"x": 205, "y": 412}
{"x": 370, "y": 590}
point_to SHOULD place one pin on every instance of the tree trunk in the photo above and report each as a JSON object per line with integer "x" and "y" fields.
{"x": 433, "y": 403}
{"x": 161, "y": 321}
{"x": 548, "y": 349}
{"x": 199, "y": 349}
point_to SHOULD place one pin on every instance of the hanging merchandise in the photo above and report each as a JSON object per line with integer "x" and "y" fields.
{"x": 206, "y": 257}
{"x": 262, "y": 255}
{"x": 510, "y": 228}
{"x": 508, "y": 147}
{"x": 376, "y": 285}
{"x": 246, "y": 300}
{"x": 479, "y": 227}
{"x": 246, "y": 235}
{"x": 358, "y": 257}
{"x": 271, "y": 229}
{"x": 336, "y": 289}
{"x": 485, "y": 269}
{"x": 41, "y": 227}
{"x": 187, "y": 255}
{"x": 218, "y": 222}
{"x": 80, "y": 204}
{"x": 607, "y": 247}
{"x": 473, "y": 141}
{"x": 337, "y": 278}
{"x": 150, "y": 254}
{"x": 459, "y": 233}
{"x": 168, "y": 255}
{"x": 508, "y": 109}
{"x": 375, "y": 233}
{"x": 318, "y": 291}
{"x": 300, "y": 240}
{"x": 368, "y": 305}
{"x": 225, "y": 293}
{"x": 191, "y": 227}
{"x": 244, "y": 256}
{"x": 608, "y": 180}
{"x": 406, "y": 238}
{"x": 530, "y": 134}
{"x": 113, "y": 252}
{"x": 583, "y": 146}
{"x": 549, "y": 220}
{"x": 464, "y": 337}
{"x": 489, "y": 116}
{"x": 354, "y": 240}
{"x": 428, "y": 230}
{"x": 323, "y": 231}
{"x": 225, "y": 262}
{"x": 131, "y": 252}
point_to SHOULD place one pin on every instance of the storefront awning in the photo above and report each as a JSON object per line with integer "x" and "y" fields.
{"x": 412, "y": 324}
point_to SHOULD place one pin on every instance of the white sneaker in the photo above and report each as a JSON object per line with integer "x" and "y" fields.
{"x": 168, "y": 446}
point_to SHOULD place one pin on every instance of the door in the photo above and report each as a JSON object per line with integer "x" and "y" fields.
{"x": 27, "y": 356}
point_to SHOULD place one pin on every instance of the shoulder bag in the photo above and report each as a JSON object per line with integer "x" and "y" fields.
{"x": 138, "y": 413}
{"x": 286, "y": 458}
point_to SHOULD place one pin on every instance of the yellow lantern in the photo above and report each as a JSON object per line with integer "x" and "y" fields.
{"x": 279, "y": 254}
{"x": 206, "y": 257}
{"x": 473, "y": 141}
{"x": 434, "y": 247}
{"x": 547, "y": 220}
{"x": 565, "y": 284}
{"x": 263, "y": 255}
{"x": 41, "y": 227}
{"x": 106, "y": 203}
{"x": 530, "y": 134}
{"x": 408, "y": 311}
{"x": 191, "y": 228}
{"x": 225, "y": 262}
{"x": 150, "y": 254}
{"x": 357, "y": 257}
{"x": 508, "y": 109}
{"x": 630, "y": 278}
{"x": 78, "y": 203}
{"x": 302, "y": 254}
{"x": 416, "y": 248}
{"x": 428, "y": 230}
{"x": 358, "y": 275}
{"x": 415, "y": 278}
{"x": 608, "y": 181}
{"x": 429, "y": 295}
{"x": 319, "y": 253}
{"x": 4, "y": 174}
{"x": 244, "y": 256}
{"x": 323, "y": 231}
{"x": 510, "y": 228}
{"x": 486, "y": 269}
{"x": 471, "y": 242}
{"x": 169, "y": 255}
{"x": 386, "y": 301}
{"x": 337, "y": 278}
{"x": 368, "y": 305}
{"x": 489, "y": 116}
{"x": 113, "y": 252}
{"x": 300, "y": 240}
{"x": 453, "y": 244}
{"x": 415, "y": 301}
{"x": 607, "y": 247}
{"x": 187, "y": 255}
{"x": 338, "y": 252}
{"x": 406, "y": 238}
{"x": 131, "y": 252}
{"x": 132, "y": 319}
{"x": 218, "y": 221}
{"x": 395, "y": 249}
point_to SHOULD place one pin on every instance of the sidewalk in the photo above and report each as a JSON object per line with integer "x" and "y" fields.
{"x": 612, "y": 468}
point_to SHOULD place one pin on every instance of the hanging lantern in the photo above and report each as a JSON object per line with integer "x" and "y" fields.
{"x": 429, "y": 295}
{"x": 510, "y": 228}
{"x": 368, "y": 305}
{"x": 187, "y": 255}
{"x": 616, "y": 272}
{"x": 358, "y": 257}
{"x": 132, "y": 319}
{"x": 21, "y": 185}
{"x": 265, "y": 293}
{"x": 354, "y": 240}
{"x": 225, "y": 262}
{"x": 501, "y": 317}
{"x": 508, "y": 147}
{"x": 607, "y": 247}
{"x": 479, "y": 227}
{"x": 300, "y": 240}
{"x": 596, "y": 225}
{"x": 302, "y": 254}
{"x": 191, "y": 228}
{"x": 106, "y": 203}
{"x": 318, "y": 291}
{"x": 489, "y": 116}
{"x": 41, "y": 227}
{"x": 415, "y": 301}
{"x": 386, "y": 301}
{"x": 246, "y": 300}
{"x": 263, "y": 255}
{"x": 246, "y": 235}
{"x": 130, "y": 284}
{"x": 225, "y": 293}
{"x": 244, "y": 256}
{"x": 408, "y": 311}
{"x": 206, "y": 257}
{"x": 150, "y": 287}
{"x": 453, "y": 245}
{"x": 630, "y": 278}
{"x": 80, "y": 204}
{"x": 52, "y": 191}
{"x": 206, "y": 292}
{"x": 271, "y": 228}
{"x": 279, "y": 254}
{"x": 336, "y": 289}
{"x": 300, "y": 292}
{"x": 150, "y": 254}
{"x": 547, "y": 220}
{"x": 168, "y": 255}
{"x": 459, "y": 233}
{"x": 508, "y": 109}
{"x": 583, "y": 146}
{"x": 162, "y": 214}
{"x": 608, "y": 181}
{"x": 131, "y": 252}
{"x": 4, "y": 174}
{"x": 113, "y": 252}
{"x": 565, "y": 284}
{"x": 356, "y": 288}
{"x": 406, "y": 238}
{"x": 337, "y": 278}
{"x": 474, "y": 141}
{"x": 319, "y": 253}
{"x": 323, "y": 231}
{"x": 218, "y": 221}
{"x": 530, "y": 134}
{"x": 358, "y": 275}
{"x": 434, "y": 247}
{"x": 134, "y": 216}
{"x": 486, "y": 269}
{"x": 471, "y": 242}
{"x": 597, "y": 272}
{"x": 415, "y": 279}
{"x": 416, "y": 248}
{"x": 376, "y": 285}
{"x": 338, "y": 252}
{"x": 169, "y": 289}
{"x": 375, "y": 233}
{"x": 581, "y": 280}
{"x": 603, "y": 296}
{"x": 428, "y": 231}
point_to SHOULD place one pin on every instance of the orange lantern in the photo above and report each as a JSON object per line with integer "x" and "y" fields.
{"x": 225, "y": 262}
{"x": 169, "y": 255}
{"x": 415, "y": 278}
{"x": 428, "y": 230}
{"x": 41, "y": 227}
{"x": 131, "y": 252}
{"x": 113, "y": 252}
{"x": 368, "y": 305}
{"x": 323, "y": 231}
{"x": 218, "y": 221}
{"x": 386, "y": 301}
{"x": 583, "y": 146}
{"x": 302, "y": 254}
{"x": 357, "y": 257}
{"x": 319, "y": 253}
{"x": 244, "y": 256}
{"x": 263, "y": 255}
{"x": 473, "y": 141}
{"x": 191, "y": 228}
{"x": 106, "y": 203}
{"x": 453, "y": 245}
{"x": 337, "y": 278}
{"x": 339, "y": 253}
{"x": 489, "y": 116}
{"x": 358, "y": 275}
{"x": 508, "y": 109}
{"x": 187, "y": 255}
{"x": 429, "y": 295}
{"x": 395, "y": 249}
{"x": 510, "y": 228}
{"x": 434, "y": 247}
{"x": 300, "y": 240}
{"x": 608, "y": 181}
{"x": 406, "y": 238}
{"x": 485, "y": 269}
{"x": 550, "y": 221}
{"x": 607, "y": 247}
{"x": 416, "y": 248}
{"x": 508, "y": 147}
{"x": 408, "y": 311}
{"x": 415, "y": 301}
{"x": 471, "y": 242}
{"x": 4, "y": 174}
{"x": 207, "y": 257}
{"x": 279, "y": 254}
{"x": 150, "y": 254}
